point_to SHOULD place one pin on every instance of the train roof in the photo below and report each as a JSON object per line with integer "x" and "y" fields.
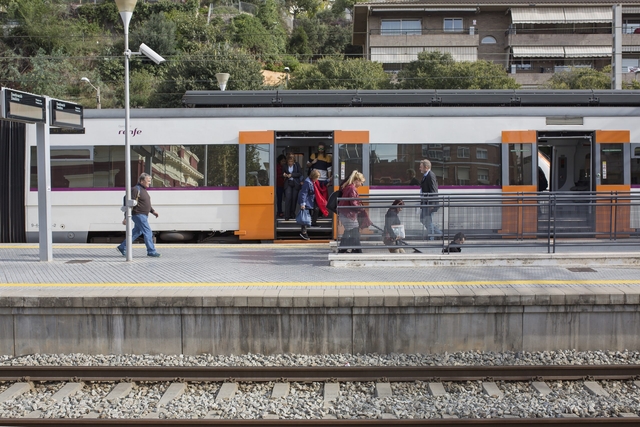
{"x": 411, "y": 98}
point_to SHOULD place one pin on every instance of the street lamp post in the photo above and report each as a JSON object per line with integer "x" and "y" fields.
{"x": 84, "y": 79}
{"x": 125, "y": 7}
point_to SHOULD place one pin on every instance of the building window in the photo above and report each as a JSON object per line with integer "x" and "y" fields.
{"x": 483, "y": 176}
{"x": 463, "y": 153}
{"x": 453, "y": 24}
{"x": 488, "y": 40}
{"x": 395, "y": 27}
{"x": 463, "y": 175}
{"x": 629, "y": 26}
{"x": 481, "y": 153}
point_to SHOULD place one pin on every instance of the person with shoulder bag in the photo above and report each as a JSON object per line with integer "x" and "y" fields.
{"x": 353, "y": 216}
{"x": 307, "y": 202}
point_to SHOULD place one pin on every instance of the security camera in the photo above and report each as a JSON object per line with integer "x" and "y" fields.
{"x": 151, "y": 54}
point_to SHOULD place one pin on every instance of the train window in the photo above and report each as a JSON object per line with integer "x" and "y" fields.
{"x": 257, "y": 165}
{"x": 520, "y": 165}
{"x": 82, "y": 167}
{"x": 169, "y": 165}
{"x": 612, "y": 164}
{"x": 398, "y": 164}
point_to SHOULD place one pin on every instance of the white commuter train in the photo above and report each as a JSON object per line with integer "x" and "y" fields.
{"x": 213, "y": 163}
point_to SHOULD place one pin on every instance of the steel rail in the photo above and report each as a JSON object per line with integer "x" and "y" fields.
{"x": 321, "y": 374}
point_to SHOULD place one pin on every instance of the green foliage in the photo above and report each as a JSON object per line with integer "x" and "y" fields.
{"x": 193, "y": 32}
{"x": 43, "y": 26}
{"x": 9, "y": 67}
{"x": 581, "y": 78}
{"x": 197, "y": 71}
{"x": 301, "y": 8}
{"x": 42, "y": 67}
{"x": 332, "y": 73}
{"x": 269, "y": 14}
{"x": 104, "y": 14}
{"x": 437, "y": 70}
{"x": 250, "y": 34}
{"x": 324, "y": 34}
{"x": 158, "y": 33}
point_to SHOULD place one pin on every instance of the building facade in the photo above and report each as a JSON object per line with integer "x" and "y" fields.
{"x": 532, "y": 41}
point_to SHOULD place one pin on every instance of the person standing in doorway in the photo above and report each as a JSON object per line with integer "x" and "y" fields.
{"x": 280, "y": 163}
{"x": 139, "y": 216}
{"x": 292, "y": 176}
{"x": 322, "y": 162}
{"x": 428, "y": 188}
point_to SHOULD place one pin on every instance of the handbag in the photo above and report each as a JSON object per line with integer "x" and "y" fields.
{"x": 303, "y": 217}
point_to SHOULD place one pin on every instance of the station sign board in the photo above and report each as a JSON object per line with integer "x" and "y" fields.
{"x": 23, "y": 107}
{"x": 66, "y": 115}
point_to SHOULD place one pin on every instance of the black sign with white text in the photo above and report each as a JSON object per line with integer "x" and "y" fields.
{"x": 23, "y": 107}
{"x": 66, "y": 114}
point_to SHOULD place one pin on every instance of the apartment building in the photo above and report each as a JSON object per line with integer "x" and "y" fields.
{"x": 531, "y": 40}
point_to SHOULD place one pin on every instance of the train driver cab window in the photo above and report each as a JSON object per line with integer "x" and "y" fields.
{"x": 520, "y": 165}
{"x": 257, "y": 165}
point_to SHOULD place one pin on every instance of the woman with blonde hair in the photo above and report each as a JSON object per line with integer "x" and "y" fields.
{"x": 353, "y": 216}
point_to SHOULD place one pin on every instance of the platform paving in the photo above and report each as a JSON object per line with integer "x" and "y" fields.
{"x": 279, "y": 298}
{"x": 98, "y": 271}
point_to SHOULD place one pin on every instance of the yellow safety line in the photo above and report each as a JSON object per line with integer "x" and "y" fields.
{"x": 324, "y": 284}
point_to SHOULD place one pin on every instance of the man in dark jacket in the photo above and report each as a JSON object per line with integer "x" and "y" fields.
{"x": 139, "y": 215}
{"x": 428, "y": 187}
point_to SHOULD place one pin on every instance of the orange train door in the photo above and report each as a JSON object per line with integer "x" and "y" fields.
{"x": 351, "y": 152}
{"x": 256, "y": 185}
{"x": 518, "y": 148}
{"x": 612, "y": 167}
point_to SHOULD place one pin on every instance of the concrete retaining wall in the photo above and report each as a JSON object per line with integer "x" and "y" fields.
{"x": 381, "y": 324}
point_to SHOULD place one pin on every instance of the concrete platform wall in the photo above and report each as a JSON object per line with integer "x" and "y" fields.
{"x": 432, "y": 326}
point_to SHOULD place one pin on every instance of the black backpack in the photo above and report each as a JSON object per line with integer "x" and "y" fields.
{"x": 332, "y": 201}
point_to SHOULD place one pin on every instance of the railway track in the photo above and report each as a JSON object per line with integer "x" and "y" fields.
{"x": 18, "y": 382}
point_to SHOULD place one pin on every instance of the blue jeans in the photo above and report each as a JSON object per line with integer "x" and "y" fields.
{"x": 426, "y": 217}
{"x": 141, "y": 228}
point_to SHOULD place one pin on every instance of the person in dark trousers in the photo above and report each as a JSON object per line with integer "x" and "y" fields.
{"x": 454, "y": 245}
{"x": 139, "y": 216}
{"x": 542, "y": 180}
{"x": 307, "y": 198}
{"x": 428, "y": 187}
{"x": 292, "y": 176}
{"x": 282, "y": 160}
{"x": 322, "y": 162}
{"x": 390, "y": 219}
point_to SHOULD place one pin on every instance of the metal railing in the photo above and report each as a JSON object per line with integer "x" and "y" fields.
{"x": 540, "y": 220}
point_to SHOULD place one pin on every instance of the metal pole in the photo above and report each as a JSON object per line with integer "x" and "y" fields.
{"x": 127, "y": 148}
{"x": 98, "y": 98}
{"x": 44, "y": 189}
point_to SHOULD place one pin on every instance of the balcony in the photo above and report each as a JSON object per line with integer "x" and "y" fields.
{"x": 560, "y": 39}
{"x": 436, "y": 38}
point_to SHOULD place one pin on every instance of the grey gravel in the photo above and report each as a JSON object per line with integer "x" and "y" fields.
{"x": 354, "y": 400}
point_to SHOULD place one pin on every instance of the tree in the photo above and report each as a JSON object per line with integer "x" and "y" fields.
{"x": 249, "y": 33}
{"x": 270, "y": 16}
{"x": 581, "y": 78}
{"x": 197, "y": 71}
{"x": 158, "y": 33}
{"x": 438, "y": 70}
{"x": 50, "y": 75}
{"x": 324, "y": 34}
{"x": 47, "y": 26}
{"x": 332, "y": 73}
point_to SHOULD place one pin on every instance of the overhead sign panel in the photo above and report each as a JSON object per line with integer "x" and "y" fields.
{"x": 67, "y": 115}
{"x": 23, "y": 107}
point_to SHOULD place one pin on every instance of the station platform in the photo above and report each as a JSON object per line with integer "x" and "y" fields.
{"x": 304, "y": 298}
